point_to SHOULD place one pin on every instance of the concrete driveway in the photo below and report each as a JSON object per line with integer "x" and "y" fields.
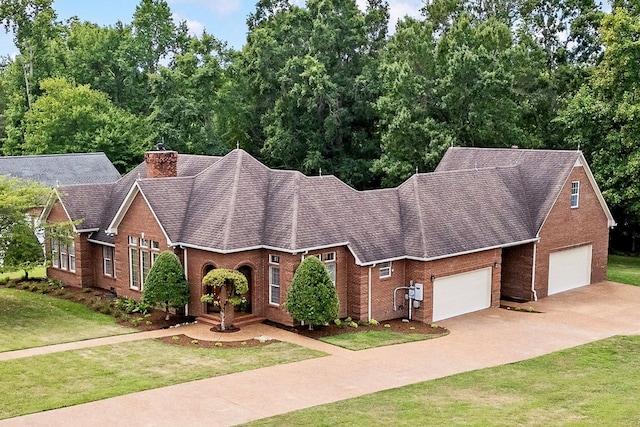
{"x": 487, "y": 338}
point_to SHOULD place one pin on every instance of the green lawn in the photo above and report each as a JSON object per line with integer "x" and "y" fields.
{"x": 36, "y": 273}
{"x": 624, "y": 269}
{"x": 363, "y": 340}
{"x": 33, "y": 320}
{"x": 68, "y": 378}
{"x": 597, "y": 384}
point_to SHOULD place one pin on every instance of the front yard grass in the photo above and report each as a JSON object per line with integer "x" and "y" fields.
{"x": 624, "y": 269}
{"x": 363, "y": 340}
{"x": 39, "y": 383}
{"x": 596, "y": 384}
{"x": 33, "y": 320}
{"x": 36, "y": 273}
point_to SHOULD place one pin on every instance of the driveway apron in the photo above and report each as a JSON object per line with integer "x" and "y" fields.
{"x": 487, "y": 338}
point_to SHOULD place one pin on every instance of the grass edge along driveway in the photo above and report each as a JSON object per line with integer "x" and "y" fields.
{"x": 624, "y": 269}
{"x": 38, "y": 383}
{"x": 34, "y": 320}
{"x": 594, "y": 384}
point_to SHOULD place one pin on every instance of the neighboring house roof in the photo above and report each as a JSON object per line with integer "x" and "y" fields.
{"x": 61, "y": 169}
{"x": 477, "y": 199}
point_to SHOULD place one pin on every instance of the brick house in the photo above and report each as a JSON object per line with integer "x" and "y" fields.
{"x": 488, "y": 223}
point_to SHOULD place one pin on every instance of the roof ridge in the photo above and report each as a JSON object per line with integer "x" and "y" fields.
{"x": 53, "y": 155}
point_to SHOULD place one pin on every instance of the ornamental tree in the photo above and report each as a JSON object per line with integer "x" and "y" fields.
{"x": 24, "y": 251}
{"x": 232, "y": 284}
{"x": 166, "y": 283}
{"x": 312, "y": 296}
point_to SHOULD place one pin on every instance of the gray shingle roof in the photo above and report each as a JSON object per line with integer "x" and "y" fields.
{"x": 89, "y": 203}
{"x": 543, "y": 172}
{"x": 476, "y": 199}
{"x": 61, "y": 169}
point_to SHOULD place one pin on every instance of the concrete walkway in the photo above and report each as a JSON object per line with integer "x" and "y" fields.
{"x": 488, "y": 338}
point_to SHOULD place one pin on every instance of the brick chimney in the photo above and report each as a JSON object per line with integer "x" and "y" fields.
{"x": 161, "y": 164}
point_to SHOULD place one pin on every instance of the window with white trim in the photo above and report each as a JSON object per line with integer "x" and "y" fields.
{"x": 107, "y": 261}
{"x": 575, "y": 194}
{"x": 55, "y": 253}
{"x": 141, "y": 260}
{"x": 274, "y": 279}
{"x": 63, "y": 254}
{"x": 72, "y": 256}
{"x": 385, "y": 269}
{"x": 329, "y": 259}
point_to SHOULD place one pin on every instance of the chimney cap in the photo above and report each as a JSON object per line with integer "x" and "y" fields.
{"x": 161, "y": 146}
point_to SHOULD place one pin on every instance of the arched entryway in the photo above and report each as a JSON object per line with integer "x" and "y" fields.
{"x": 246, "y": 301}
{"x": 210, "y": 307}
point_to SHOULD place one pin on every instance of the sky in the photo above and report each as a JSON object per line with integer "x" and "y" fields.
{"x": 225, "y": 19}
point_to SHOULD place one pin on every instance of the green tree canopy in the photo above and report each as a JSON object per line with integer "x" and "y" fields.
{"x": 71, "y": 118}
{"x": 312, "y": 296}
{"x": 166, "y": 283}
{"x": 602, "y": 119}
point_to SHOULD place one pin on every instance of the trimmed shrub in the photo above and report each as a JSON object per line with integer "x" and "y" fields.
{"x": 312, "y": 297}
{"x": 166, "y": 283}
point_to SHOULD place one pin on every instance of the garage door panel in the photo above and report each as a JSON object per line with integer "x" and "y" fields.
{"x": 461, "y": 293}
{"x": 569, "y": 269}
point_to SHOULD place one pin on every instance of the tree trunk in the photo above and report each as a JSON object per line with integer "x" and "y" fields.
{"x": 26, "y": 275}
{"x": 166, "y": 310}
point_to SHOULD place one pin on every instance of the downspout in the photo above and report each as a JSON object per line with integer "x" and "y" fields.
{"x": 533, "y": 273}
{"x": 186, "y": 275}
{"x": 369, "y": 294}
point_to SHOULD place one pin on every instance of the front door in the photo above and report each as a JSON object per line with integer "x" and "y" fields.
{"x": 245, "y": 299}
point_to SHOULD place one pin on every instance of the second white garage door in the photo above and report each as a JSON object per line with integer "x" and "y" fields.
{"x": 569, "y": 269}
{"x": 461, "y": 293}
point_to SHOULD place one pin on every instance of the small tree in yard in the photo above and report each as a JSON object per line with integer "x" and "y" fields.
{"x": 24, "y": 251}
{"x": 232, "y": 284}
{"x": 166, "y": 283}
{"x": 312, "y": 297}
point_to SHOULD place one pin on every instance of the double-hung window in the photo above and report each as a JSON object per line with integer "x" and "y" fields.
{"x": 385, "y": 269}
{"x": 274, "y": 279}
{"x": 142, "y": 255}
{"x": 329, "y": 259}
{"x": 575, "y": 194}
{"x": 63, "y": 254}
{"x": 107, "y": 261}
{"x": 55, "y": 253}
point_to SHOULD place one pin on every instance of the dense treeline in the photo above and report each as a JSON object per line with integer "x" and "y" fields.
{"x": 324, "y": 87}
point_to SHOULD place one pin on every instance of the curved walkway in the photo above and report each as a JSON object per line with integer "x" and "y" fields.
{"x": 488, "y": 338}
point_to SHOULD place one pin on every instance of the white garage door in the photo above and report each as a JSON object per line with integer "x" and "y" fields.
{"x": 569, "y": 269}
{"x": 461, "y": 293}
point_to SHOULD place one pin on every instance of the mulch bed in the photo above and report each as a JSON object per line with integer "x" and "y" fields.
{"x": 395, "y": 325}
{"x": 183, "y": 340}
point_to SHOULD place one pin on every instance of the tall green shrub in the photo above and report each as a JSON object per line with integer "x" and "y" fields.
{"x": 166, "y": 283}
{"x": 312, "y": 297}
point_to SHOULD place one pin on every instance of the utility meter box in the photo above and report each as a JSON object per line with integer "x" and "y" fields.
{"x": 418, "y": 294}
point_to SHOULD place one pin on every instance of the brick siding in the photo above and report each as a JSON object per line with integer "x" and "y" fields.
{"x": 566, "y": 227}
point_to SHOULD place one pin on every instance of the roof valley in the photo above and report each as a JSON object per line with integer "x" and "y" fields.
{"x": 423, "y": 239}
{"x": 232, "y": 202}
{"x": 294, "y": 216}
